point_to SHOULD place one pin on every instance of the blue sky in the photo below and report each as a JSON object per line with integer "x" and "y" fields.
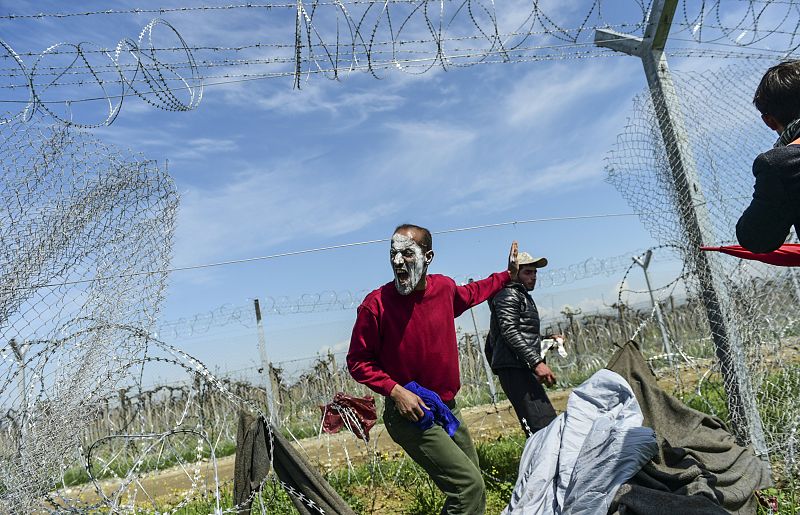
{"x": 263, "y": 168}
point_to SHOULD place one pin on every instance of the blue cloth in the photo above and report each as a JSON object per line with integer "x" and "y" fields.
{"x": 439, "y": 412}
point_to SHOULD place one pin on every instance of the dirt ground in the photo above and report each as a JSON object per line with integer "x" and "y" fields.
{"x": 327, "y": 452}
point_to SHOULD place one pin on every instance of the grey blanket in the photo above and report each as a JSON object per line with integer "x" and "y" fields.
{"x": 255, "y": 444}
{"x": 699, "y": 468}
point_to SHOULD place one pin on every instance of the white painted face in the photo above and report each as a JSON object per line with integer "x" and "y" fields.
{"x": 408, "y": 263}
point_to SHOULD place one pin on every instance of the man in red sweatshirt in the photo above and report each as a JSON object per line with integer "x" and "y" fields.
{"x": 405, "y": 332}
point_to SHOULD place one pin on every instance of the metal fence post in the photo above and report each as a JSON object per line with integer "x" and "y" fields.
{"x": 694, "y": 216}
{"x": 19, "y": 354}
{"x": 266, "y": 368}
{"x": 645, "y": 263}
{"x": 486, "y": 366}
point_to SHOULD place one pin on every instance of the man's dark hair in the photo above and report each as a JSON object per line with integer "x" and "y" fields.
{"x": 427, "y": 240}
{"x": 778, "y": 93}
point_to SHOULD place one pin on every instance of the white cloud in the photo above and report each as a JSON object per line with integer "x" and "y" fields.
{"x": 197, "y": 148}
{"x": 556, "y": 162}
{"x": 486, "y": 193}
{"x": 554, "y": 90}
{"x": 423, "y": 153}
{"x": 291, "y": 198}
{"x": 161, "y": 142}
{"x": 258, "y": 209}
{"x": 335, "y": 348}
{"x": 332, "y": 98}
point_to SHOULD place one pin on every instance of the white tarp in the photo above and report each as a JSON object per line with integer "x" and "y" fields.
{"x": 575, "y": 465}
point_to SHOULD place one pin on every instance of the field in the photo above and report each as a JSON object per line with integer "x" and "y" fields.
{"x": 377, "y": 477}
{"x": 170, "y": 449}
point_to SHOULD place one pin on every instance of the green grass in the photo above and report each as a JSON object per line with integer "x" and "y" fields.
{"x": 273, "y": 498}
{"x": 394, "y": 480}
{"x": 788, "y": 501}
{"x": 404, "y": 488}
{"x": 78, "y": 475}
{"x": 709, "y": 399}
{"x": 500, "y": 464}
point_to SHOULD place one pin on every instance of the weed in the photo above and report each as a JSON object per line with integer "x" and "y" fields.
{"x": 427, "y": 498}
{"x": 788, "y": 501}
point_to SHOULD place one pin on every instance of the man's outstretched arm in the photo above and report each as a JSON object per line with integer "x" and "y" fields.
{"x": 474, "y": 293}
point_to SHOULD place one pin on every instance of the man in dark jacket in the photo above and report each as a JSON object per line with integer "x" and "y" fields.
{"x": 513, "y": 348}
{"x": 775, "y": 207}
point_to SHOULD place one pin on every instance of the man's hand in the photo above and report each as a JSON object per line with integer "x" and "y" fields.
{"x": 408, "y": 404}
{"x": 544, "y": 375}
{"x": 513, "y": 264}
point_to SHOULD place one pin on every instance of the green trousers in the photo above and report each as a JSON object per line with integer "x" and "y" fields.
{"x": 452, "y": 463}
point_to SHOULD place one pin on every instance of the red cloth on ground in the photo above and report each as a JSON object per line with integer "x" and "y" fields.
{"x": 787, "y": 255}
{"x": 363, "y": 409}
{"x": 403, "y": 338}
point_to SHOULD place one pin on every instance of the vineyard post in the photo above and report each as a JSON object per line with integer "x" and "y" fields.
{"x": 645, "y": 264}
{"x": 486, "y": 366}
{"x": 19, "y": 354}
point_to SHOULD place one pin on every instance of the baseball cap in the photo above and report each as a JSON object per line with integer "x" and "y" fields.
{"x": 523, "y": 258}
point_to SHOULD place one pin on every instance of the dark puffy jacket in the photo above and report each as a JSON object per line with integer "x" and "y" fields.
{"x": 776, "y": 200}
{"x": 513, "y": 340}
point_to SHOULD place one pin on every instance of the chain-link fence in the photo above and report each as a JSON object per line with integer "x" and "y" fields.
{"x": 168, "y": 445}
{"x": 82, "y": 227}
{"x": 85, "y": 238}
{"x": 87, "y": 232}
{"x": 690, "y": 186}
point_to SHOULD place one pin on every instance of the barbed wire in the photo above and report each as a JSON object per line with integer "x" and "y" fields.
{"x": 135, "y": 431}
{"x": 95, "y": 226}
{"x": 589, "y": 268}
{"x": 759, "y": 20}
{"x": 132, "y": 68}
{"x": 69, "y": 81}
{"x": 343, "y": 300}
{"x": 166, "y": 10}
{"x": 673, "y": 251}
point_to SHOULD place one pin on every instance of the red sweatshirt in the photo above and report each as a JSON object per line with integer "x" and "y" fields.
{"x": 402, "y": 338}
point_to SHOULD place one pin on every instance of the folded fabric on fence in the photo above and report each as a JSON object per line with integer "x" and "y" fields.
{"x": 575, "y": 465}
{"x": 698, "y": 469}
{"x": 358, "y": 414}
{"x": 438, "y": 413}
{"x": 256, "y": 443}
{"x": 787, "y": 254}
